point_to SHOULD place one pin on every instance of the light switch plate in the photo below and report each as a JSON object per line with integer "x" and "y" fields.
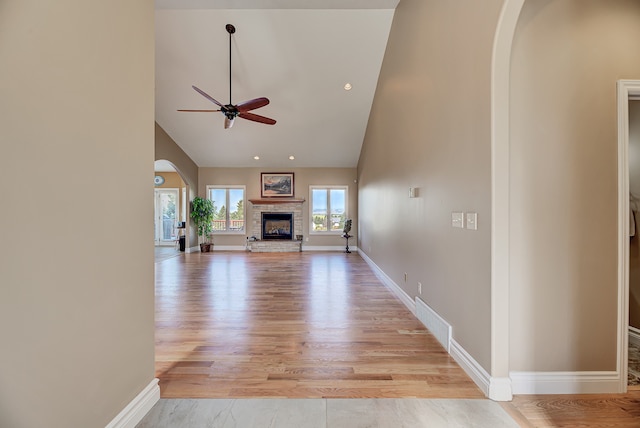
{"x": 457, "y": 220}
{"x": 472, "y": 221}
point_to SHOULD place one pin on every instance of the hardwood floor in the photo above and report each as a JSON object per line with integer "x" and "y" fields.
{"x": 304, "y": 325}
{"x": 320, "y": 325}
{"x": 587, "y": 410}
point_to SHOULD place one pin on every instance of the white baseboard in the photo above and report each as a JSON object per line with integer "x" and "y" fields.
{"x": 500, "y": 389}
{"x": 138, "y": 407}
{"x": 471, "y": 367}
{"x": 195, "y": 249}
{"x": 497, "y": 389}
{"x": 565, "y": 382}
{"x": 228, "y": 248}
{"x": 503, "y": 389}
{"x": 328, "y": 248}
{"x": 388, "y": 282}
{"x": 304, "y": 248}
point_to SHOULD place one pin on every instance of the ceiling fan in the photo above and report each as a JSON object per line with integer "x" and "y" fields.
{"x": 242, "y": 109}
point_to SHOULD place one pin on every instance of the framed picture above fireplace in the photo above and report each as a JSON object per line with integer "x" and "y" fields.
{"x": 276, "y": 184}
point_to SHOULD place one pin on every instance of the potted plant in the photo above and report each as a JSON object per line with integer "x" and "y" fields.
{"x": 202, "y": 214}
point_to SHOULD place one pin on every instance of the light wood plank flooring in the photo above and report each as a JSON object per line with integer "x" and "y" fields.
{"x": 586, "y": 410}
{"x": 320, "y": 325}
{"x": 305, "y": 325}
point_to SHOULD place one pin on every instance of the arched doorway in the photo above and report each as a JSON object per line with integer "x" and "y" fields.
{"x": 502, "y": 150}
{"x": 170, "y": 210}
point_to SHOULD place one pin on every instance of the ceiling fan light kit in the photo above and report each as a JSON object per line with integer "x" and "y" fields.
{"x": 230, "y": 110}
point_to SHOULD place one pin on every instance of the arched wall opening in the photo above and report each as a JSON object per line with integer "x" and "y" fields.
{"x": 166, "y": 149}
{"x": 500, "y": 388}
{"x": 171, "y": 202}
{"x": 575, "y": 294}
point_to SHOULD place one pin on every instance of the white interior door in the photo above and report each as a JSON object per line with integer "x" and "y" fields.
{"x": 166, "y": 216}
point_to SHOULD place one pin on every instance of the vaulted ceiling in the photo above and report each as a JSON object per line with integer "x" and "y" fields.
{"x": 299, "y": 54}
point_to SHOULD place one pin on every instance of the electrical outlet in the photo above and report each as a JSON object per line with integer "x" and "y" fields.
{"x": 420, "y": 288}
{"x": 405, "y": 277}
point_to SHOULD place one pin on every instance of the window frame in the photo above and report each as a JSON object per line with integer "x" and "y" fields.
{"x": 228, "y": 187}
{"x": 328, "y": 188}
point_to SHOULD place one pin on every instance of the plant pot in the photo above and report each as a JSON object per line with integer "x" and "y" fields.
{"x": 205, "y": 248}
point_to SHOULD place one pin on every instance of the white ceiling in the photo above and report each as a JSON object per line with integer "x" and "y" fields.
{"x": 297, "y": 53}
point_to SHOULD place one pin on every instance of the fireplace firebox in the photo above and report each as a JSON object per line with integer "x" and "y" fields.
{"x": 277, "y": 226}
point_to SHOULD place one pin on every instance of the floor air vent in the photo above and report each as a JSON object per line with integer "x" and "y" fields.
{"x": 434, "y": 322}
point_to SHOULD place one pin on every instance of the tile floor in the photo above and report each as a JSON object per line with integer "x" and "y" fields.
{"x": 164, "y": 253}
{"x": 327, "y": 413}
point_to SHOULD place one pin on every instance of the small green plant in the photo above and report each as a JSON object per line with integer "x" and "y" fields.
{"x": 202, "y": 214}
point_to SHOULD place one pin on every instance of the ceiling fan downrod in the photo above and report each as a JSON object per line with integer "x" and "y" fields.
{"x": 230, "y": 29}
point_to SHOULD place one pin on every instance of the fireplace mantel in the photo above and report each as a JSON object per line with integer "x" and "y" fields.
{"x": 275, "y": 201}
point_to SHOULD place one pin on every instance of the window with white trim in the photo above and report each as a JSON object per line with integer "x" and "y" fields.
{"x": 328, "y": 205}
{"x": 229, "y": 208}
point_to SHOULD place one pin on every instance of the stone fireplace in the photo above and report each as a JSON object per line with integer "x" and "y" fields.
{"x": 283, "y": 224}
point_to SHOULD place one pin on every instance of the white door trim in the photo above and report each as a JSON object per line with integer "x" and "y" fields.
{"x": 500, "y": 176}
{"x": 627, "y": 89}
{"x": 158, "y": 241}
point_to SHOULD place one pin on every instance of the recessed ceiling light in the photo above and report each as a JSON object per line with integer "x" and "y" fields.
{"x": 256, "y": 157}
{"x": 347, "y": 87}
{"x": 292, "y": 157}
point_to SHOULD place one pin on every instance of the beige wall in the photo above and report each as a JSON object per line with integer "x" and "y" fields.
{"x": 172, "y": 180}
{"x": 167, "y": 149}
{"x": 634, "y": 188}
{"x": 76, "y": 267}
{"x": 567, "y": 57}
{"x": 430, "y": 128}
{"x": 303, "y": 178}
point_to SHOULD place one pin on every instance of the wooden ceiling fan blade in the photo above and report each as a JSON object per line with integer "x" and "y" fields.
{"x": 257, "y": 118}
{"x": 206, "y": 111}
{"x": 252, "y": 104}
{"x": 207, "y": 96}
